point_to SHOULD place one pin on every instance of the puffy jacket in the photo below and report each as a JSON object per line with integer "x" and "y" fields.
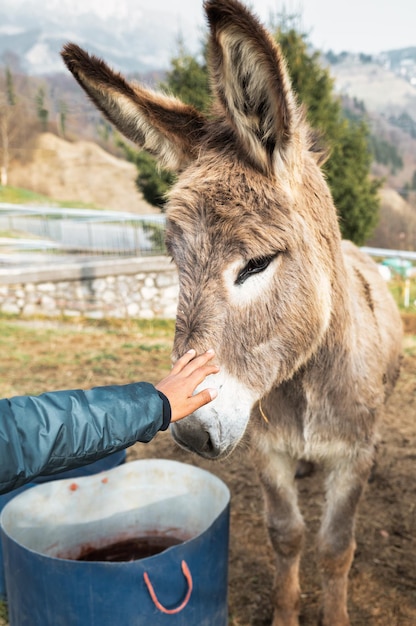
{"x": 62, "y": 430}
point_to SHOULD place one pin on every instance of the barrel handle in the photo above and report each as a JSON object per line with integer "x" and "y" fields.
{"x": 187, "y": 574}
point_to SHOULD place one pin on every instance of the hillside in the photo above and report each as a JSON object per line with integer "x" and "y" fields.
{"x": 382, "y": 89}
{"x": 84, "y": 172}
{"x": 139, "y": 40}
{"x": 80, "y": 171}
{"x": 396, "y": 228}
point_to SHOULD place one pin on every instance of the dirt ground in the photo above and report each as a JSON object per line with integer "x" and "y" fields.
{"x": 383, "y": 575}
{"x": 49, "y": 355}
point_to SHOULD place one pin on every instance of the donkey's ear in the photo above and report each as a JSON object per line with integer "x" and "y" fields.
{"x": 251, "y": 82}
{"x": 162, "y": 125}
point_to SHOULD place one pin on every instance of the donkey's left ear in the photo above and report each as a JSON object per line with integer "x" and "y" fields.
{"x": 251, "y": 82}
{"x": 162, "y": 125}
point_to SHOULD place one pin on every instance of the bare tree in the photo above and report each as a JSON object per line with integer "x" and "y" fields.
{"x": 16, "y": 122}
{"x": 7, "y": 103}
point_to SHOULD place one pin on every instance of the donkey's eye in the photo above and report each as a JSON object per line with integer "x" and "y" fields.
{"x": 254, "y": 266}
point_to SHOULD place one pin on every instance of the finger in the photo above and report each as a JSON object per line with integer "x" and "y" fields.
{"x": 183, "y": 361}
{"x": 200, "y": 374}
{"x": 198, "y": 362}
{"x": 203, "y": 397}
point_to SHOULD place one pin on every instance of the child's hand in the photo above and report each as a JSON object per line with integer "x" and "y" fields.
{"x": 187, "y": 373}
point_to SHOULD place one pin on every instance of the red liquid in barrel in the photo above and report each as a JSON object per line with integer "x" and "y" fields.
{"x": 130, "y": 549}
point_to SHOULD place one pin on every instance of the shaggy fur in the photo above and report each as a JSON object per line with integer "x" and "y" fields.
{"x": 305, "y": 331}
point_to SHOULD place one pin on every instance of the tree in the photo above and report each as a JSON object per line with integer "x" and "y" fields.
{"x": 17, "y": 120}
{"x": 42, "y": 111}
{"x": 10, "y": 93}
{"x": 188, "y": 79}
{"x": 8, "y": 103}
{"x": 385, "y": 153}
{"x": 62, "y": 117}
{"x": 355, "y": 193}
{"x": 153, "y": 181}
{"x": 348, "y": 166}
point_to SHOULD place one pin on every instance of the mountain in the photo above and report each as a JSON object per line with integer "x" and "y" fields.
{"x": 35, "y": 32}
{"x": 142, "y": 41}
{"x": 386, "y": 83}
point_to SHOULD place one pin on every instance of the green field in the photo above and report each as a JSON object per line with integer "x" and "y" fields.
{"x": 39, "y": 356}
{"x": 16, "y": 195}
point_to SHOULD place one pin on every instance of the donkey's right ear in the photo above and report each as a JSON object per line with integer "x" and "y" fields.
{"x": 252, "y": 85}
{"x": 164, "y": 126}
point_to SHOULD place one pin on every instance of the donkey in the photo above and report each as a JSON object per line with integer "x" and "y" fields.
{"x": 306, "y": 334}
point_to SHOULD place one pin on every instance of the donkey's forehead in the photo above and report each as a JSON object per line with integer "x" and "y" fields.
{"x": 212, "y": 222}
{"x": 222, "y": 197}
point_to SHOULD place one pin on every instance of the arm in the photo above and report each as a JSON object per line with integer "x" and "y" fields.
{"x": 62, "y": 430}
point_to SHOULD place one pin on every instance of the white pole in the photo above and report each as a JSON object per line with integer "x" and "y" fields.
{"x": 407, "y": 292}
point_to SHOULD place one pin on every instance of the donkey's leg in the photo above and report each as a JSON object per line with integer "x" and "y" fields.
{"x": 286, "y": 530}
{"x": 344, "y": 485}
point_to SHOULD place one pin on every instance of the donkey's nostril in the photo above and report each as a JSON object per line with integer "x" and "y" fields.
{"x": 208, "y": 446}
{"x": 198, "y": 440}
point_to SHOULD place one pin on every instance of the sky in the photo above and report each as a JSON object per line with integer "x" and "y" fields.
{"x": 368, "y": 26}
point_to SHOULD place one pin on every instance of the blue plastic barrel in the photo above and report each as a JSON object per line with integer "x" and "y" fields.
{"x": 112, "y": 460}
{"x": 45, "y": 528}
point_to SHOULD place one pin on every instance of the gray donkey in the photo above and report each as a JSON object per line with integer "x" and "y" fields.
{"x": 306, "y": 334}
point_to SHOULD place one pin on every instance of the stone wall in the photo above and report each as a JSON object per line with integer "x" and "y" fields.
{"x": 116, "y": 288}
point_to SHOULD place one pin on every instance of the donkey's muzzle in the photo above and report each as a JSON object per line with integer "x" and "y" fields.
{"x": 196, "y": 440}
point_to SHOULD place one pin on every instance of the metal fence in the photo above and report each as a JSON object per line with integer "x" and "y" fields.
{"x": 70, "y": 231}
{"x": 32, "y": 233}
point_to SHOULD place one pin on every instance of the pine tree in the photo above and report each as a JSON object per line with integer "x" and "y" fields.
{"x": 42, "y": 111}
{"x": 63, "y": 114}
{"x": 11, "y": 95}
{"x": 7, "y": 106}
{"x": 348, "y": 166}
{"x": 17, "y": 122}
{"x": 154, "y": 182}
{"x": 188, "y": 79}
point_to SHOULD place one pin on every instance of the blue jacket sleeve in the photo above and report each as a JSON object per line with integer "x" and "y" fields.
{"x": 62, "y": 430}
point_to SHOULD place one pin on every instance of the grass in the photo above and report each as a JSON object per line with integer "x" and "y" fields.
{"x": 14, "y": 234}
{"x": 397, "y": 288}
{"x": 409, "y": 345}
{"x": 17, "y": 195}
{"x": 3, "y": 610}
{"x": 42, "y": 356}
